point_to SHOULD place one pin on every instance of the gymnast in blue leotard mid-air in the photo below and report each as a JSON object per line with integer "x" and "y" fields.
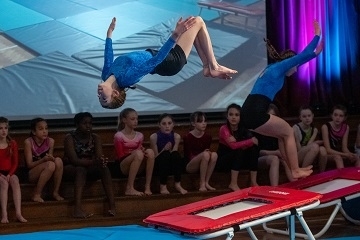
{"x": 128, "y": 69}
{"x": 254, "y": 114}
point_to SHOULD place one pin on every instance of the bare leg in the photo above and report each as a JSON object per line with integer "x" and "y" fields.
{"x": 308, "y": 154}
{"x": 150, "y": 160}
{"x": 198, "y": 35}
{"x": 106, "y": 181}
{"x": 279, "y": 128}
{"x": 130, "y": 166}
{"x": 210, "y": 170}
{"x": 15, "y": 185}
{"x": 199, "y": 163}
{"x": 41, "y": 173}
{"x": 57, "y": 179}
{"x": 234, "y": 180}
{"x": 273, "y": 162}
{"x": 4, "y": 187}
{"x": 80, "y": 181}
{"x": 253, "y": 179}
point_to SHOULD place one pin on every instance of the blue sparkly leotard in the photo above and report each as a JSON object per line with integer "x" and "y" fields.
{"x": 129, "y": 68}
{"x": 272, "y": 79}
{"x": 254, "y": 110}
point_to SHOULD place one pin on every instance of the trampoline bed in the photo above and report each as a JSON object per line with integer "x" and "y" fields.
{"x": 336, "y": 186}
{"x": 235, "y": 211}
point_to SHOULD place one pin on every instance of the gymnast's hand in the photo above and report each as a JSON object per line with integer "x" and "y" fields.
{"x": 183, "y": 26}
{"x": 111, "y": 28}
{"x": 317, "y": 28}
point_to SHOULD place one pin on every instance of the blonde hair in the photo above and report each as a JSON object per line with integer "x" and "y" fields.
{"x": 123, "y": 114}
{"x": 118, "y": 100}
{"x": 8, "y": 138}
{"x": 278, "y": 57}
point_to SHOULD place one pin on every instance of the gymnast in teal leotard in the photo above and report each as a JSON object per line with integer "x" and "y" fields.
{"x": 128, "y": 69}
{"x": 254, "y": 111}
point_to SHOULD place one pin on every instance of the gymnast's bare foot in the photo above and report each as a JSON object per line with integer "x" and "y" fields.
{"x": 234, "y": 187}
{"x": 133, "y": 192}
{"x": 57, "y": 197}
{"x": 20, "y": 218}
{"x": 301, "y": 172}
{"x": 163, "y": 189}
{"x": 210, "y": 188}
{"x": 37, "y": 198}
{"x": 218, "y": 72}
{"x": 147, "y": 191}
{"x": 111, "y": 28}
{"x": 180, "y": 189}
{"x": 4, "y": 219}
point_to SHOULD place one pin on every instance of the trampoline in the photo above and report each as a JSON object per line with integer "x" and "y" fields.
{"x": 243, "y": 209}
{"x": 338, "y": 187}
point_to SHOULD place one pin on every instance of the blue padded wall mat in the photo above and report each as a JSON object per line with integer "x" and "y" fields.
{"x": 14, "y": 15}
{"x": 98, "y": 5}
{"x": 55, "y": 9}
{"x": 130, "y": 19}
{"x": 60, "y": 38}
{"x": 56, "y": 85}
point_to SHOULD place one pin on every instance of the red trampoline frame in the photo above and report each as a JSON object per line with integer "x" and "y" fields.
{"x": 333, "y": 198}
{"x": 278, "y": 202}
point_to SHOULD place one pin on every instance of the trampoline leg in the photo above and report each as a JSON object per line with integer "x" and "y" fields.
{"x": 291, "y": 226}
{"x": 251, "y": 233}
{"x": 305, "y": 226}
{"x": 230, "y": 235}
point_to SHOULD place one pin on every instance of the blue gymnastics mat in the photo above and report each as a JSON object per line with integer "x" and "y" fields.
{"x": 129, "y": 232}
{"x": 56, "y": 84}
{"x": 44, "y": 41}
{"x": 15, "y": 16}
{"x": 55, "y": 9}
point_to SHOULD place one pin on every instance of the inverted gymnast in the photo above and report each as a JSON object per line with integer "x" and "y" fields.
{"x": 254, "y": 112}
{"x": 128, "y": 69}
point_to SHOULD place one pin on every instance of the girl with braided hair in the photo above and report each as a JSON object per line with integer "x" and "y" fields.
{"x": 128, "y": 69}
{"x": 254, "y": 111}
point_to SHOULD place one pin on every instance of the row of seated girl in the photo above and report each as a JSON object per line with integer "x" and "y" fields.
{"x": 238, "y": 149}
{"x": 329, "y": 144}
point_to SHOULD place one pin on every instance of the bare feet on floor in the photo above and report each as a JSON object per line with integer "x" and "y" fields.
{"x": 180, "y": 189}
{"x": 57, "y": 197}
{"x": 20, "y": 218}
{"x": 210, "y": 188}
{"x": 202, "y": 187}
{"x": 133, "y": 192}
{"x": 163, "y": 189}
{"x": 37, "y": 198}
{"x": 234, "y": 187}
{"x": 147, "y": 191}
{"x": 4, "y": 219}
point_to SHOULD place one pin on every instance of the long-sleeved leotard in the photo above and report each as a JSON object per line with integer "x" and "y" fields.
{"x": 272, "y": 79}
{"x": 254, "y": 110}
{"x": 129, "y": 68}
